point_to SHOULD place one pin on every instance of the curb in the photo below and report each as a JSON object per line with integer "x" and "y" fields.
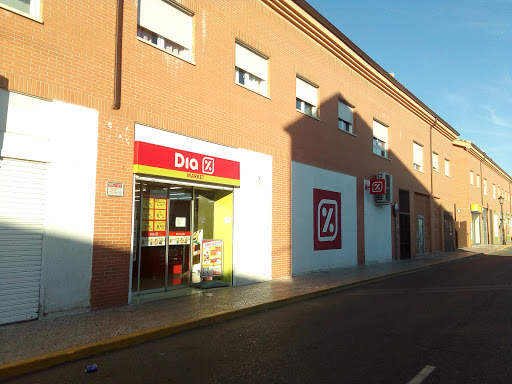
{"x": 16, "y": 368}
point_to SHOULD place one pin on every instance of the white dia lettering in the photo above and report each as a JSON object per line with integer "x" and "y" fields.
{"x": 181, "y": 161}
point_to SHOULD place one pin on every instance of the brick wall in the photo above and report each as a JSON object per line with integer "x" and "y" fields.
{"x": 70, "y": 57}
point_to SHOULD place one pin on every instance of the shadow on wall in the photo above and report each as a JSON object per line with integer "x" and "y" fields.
{"x": 321, "y": 144}
{"x": 47, "y": 274}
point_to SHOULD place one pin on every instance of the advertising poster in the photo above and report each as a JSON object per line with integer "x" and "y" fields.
{"x": 211, "y": 258}
{"x": 154, "y": 218}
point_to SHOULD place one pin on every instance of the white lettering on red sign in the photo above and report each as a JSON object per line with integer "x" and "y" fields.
{"x": 181, "y": 161}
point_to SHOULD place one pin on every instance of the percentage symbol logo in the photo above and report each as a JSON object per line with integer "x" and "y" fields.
{"x": 327, "y": 220}
{"x": 208, "y": 163}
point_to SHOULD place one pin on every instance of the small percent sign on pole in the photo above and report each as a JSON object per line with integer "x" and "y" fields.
{"x": 377, "y": 186}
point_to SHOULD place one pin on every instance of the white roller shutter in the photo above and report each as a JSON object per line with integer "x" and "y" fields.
{"x": 250, "y": 62}
{"x": 380, "y": 131}
{"x": 345, "y": 113}
{"x": 167, "y": 20}
{"x": 306, "y": 92}
{"x": 22, "y": 213}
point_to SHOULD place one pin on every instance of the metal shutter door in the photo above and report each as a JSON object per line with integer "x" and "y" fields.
{"x": 22, "y": 213}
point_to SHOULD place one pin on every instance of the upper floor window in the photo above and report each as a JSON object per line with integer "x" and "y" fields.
{"x": 447, "y": 167}
{"x": 250, "y": 68}
{"x": 30, "y": 7}
{"x": 471, "y": 181}
{"x": 478, "y": 180}
{"x": 166, "y": 24}
{"x": 307, "y": 97}
{"x": 485, "y": 187}
{"x": 494, "y": 191}
{"x": 435, "y": 161}
{"x": 417, "y": 156}
{"x": 380, "y": 139}
{"x": 345, "y": 117}
{"x": 499, "y": 192}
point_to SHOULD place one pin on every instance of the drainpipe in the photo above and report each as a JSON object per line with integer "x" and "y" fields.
{"x": 118, "y": 53}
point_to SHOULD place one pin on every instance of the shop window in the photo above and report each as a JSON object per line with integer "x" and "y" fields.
{"x": 417, "y": 155}
{"x": 251, "y": 68}
{"x": 307, "y": 97}
{"x": 29, "y": 7}
{"x": 345, "y": 117}
{"x": 167, "y": 25}
{"x": 380, "y": 139}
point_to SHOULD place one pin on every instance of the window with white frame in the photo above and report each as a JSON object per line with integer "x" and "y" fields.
{"x": 307, "y": 97}
{"x": 345, "y": 117}
{"x": 499, "y": 192}
{"x": 478, "y": 180}
{"x": 380, "y": 139}
{"x": 435, "y": 161}
{"x": 447, "y": 167}
{"x": 493, "y": 191}
{"x": 30, "y": 7}
{"x": 485, "y": 187}
{"x": 471, "y": 181}
{"x": 417, "y": 156}
{"x": 166, "y": 24}
{"x": 251, "y": 68}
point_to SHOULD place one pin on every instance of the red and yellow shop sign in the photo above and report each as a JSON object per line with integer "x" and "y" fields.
{"x": 157, "y": 160}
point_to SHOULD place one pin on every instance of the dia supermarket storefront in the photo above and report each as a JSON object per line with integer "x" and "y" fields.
{"x": 184, "y": 223}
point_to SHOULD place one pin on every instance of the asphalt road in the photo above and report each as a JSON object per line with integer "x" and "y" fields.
{"x": 455, "y": 319}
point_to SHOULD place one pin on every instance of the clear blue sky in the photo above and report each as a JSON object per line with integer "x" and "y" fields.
{"x": 454, "y": 55}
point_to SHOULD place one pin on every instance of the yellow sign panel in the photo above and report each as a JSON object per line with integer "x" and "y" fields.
{"x": 160, "y": 214}
{"x": 160, "y": 203}
{"x": 147, "y": 226}
{"x": 476, "y": 208}
{"x": 159, "y": 226}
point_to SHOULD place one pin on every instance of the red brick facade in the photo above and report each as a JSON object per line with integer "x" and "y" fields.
{"x": 69, "y": 55}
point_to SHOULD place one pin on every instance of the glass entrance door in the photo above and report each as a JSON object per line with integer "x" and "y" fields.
{"x": 163, "y": 219}
{"x": 180, "y": 226}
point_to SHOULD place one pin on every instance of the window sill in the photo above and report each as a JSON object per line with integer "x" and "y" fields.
{"x": 435, "y": 170}
{"x": 418, "y": 170}
{"x": 27, "y": 15}
{"x": 305, "y": 114}
{"x": 252, "y": 90}
{"x": 165, "y": 51}
{"x": 382, "y": 157}
{"x": 347, "y": 132}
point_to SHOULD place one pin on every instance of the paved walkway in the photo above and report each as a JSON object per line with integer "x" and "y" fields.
{"x": 33, "y": 345}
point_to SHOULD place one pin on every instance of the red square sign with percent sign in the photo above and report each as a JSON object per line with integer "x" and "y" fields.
{"x": 377, "y": 186}
{"x": 326, "y": 220}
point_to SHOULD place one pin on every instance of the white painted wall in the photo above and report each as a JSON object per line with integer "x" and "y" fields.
{"x": 252, "y": 205}
{"x": 65, "y": 137}
{"x": 377, "y": 229}
{"x": 252, "y": 235}
{"x": 304, "y": 258}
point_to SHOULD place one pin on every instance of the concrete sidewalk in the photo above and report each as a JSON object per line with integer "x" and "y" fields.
{"x": 29, "y": 346}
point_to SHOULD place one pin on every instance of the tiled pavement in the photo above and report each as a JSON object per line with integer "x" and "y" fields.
{"x": 37, "y": 344}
